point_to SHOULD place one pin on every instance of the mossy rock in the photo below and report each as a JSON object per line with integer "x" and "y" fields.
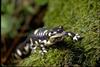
{"x": 79, "y": 16}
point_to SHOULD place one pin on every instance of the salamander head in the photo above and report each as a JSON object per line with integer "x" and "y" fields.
{"x": 57, "y": 34}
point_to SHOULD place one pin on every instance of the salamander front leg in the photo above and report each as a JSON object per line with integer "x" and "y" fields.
{"x": 74, "y": 36}
{"x": 43, "y": 50}
{"x": 32, "y": 46}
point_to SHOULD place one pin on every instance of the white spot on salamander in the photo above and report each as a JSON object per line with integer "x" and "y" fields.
{"x": 76, "y": 37}
{"x": 35, "y": 32}
{"x": 49, "y": 34}
{"x": 26, "y": 47}
{"x": 45, "y": 31}
{"x": 31, "y": 41}
{"x": 19, "y": 52}
{"x": 36, "y": 42}
{"x": 69, "y": 34}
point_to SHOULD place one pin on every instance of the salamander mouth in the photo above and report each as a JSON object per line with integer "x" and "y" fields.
{"x": 56, "y": 39}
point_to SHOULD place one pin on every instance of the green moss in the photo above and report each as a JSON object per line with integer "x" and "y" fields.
{"x": 79, "y": 16}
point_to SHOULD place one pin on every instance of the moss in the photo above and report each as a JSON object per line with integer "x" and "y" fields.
{"x": 79, "y": 16}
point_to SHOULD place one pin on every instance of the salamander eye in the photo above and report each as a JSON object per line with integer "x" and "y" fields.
{"x": 51, "y": 31}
